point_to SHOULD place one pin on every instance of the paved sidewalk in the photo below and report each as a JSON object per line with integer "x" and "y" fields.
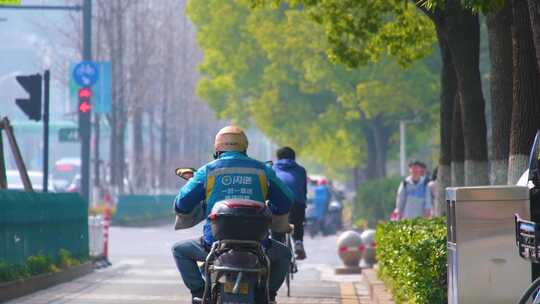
{"x": 143, "y": 271}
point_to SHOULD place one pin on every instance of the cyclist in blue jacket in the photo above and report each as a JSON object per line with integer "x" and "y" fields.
{"x": 232, "y": 175}
{"x": 295, "y": 177}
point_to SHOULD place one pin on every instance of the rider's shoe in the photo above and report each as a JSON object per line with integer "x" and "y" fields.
{"x": 197, "y": 296}
{"x": 299, "y": 250}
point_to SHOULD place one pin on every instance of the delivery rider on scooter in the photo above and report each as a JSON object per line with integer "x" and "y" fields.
{"x": 217, "y": 181}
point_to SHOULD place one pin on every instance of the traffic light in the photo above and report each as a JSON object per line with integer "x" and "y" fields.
{"x": 84, "y": 100}
{"x": 31, "y": 106}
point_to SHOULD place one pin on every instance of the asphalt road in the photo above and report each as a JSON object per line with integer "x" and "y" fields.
{"x": 143, "y": 271}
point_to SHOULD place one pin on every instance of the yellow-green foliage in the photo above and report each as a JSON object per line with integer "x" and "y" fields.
{"x": 271, "y": 67}
{"x": 375, "y": 200}
{"x": 36, "y": 265}
{"x": 412, "y": 259}
{"x": 65, "y": 260}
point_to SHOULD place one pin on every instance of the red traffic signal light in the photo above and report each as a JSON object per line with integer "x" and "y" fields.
{"x": 85, "y": 107}
{"x": 85, "y": 93}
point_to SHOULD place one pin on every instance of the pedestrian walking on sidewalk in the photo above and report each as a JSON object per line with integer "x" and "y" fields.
{"x": 413, "y": 197}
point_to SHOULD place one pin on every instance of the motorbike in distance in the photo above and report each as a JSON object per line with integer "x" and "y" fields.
{"x": 237, "y": 268}
{"x": 330, "y": 223}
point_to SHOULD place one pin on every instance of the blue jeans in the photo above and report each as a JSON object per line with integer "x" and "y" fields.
{"x": 187, "y": 253}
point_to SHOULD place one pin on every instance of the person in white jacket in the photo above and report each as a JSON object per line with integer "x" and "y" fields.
{"x": 413, "y": 197}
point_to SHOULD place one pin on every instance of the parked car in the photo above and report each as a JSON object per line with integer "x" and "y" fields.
{"x": 14, "y": 181}
{"x": 64, "y": 172}
{"x": 75, "y": 185}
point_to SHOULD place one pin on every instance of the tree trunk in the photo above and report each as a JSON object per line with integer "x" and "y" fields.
{"x": 112, "y": 140}
{"x": 381, "y": 146}
{"x": 448, "y": 95}
{"x": 139, "y": 166}
{"x": 356, "y": 174}
{"x": 96, "y": 152}
{"x": 376, "y": 137}
{"x": 371, "y": 164}
{"x": 463, "y": 33}
{"x": 163, "y": 146}
{"x": 152, "y": 150}
{"x": 526, "y": 108}
{"x": 458, "y": 146}
{"x": 500, "y": 50}
{"x": 122, "y": 117}
{"x": 534, "y": 12}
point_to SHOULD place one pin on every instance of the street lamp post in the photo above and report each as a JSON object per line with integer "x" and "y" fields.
{"x": 402, "y": 148}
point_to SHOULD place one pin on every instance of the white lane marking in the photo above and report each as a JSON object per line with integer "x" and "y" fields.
{"x": 129, "y": 262}
{"x": 153, "y": 272}
{"x": 327, "y": 273}
{"x": 121, "y": 297}
{"x": 144, "y": 282}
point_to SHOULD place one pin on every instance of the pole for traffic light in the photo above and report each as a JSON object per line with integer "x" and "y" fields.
{"x": 84, "y": 124}
{"x": 84, "y": 118}
{"x": 46, "y": 78}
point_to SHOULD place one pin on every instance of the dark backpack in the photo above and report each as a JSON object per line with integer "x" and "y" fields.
{"x": 426, "y": 181}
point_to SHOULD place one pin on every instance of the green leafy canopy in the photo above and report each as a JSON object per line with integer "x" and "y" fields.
{"x": 270, "y": 66}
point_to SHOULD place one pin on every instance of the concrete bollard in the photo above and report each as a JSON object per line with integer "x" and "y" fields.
{"x": 350, "y": 251}
{"x": 368, "y": 239}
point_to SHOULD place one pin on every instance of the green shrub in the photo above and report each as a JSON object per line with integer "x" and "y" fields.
{"x": 38, "y": 264}
{"x": 65, "y": 260}
{"x": 375, "y": 200}
{"x": 412, "y": 259}
{"x": 12, "y": 272}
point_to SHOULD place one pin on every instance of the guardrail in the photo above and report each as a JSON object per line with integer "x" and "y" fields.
{"x": 141, "y": 208}
{"x": 41, "y": 223}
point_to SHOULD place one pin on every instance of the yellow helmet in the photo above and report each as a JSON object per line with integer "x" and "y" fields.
{"x": 231, "y": 138}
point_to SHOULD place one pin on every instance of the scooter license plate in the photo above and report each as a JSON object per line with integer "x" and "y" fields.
{"x": 244, "y": 288}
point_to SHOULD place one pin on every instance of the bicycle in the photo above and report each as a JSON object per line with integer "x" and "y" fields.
{"x": 292, "y": 266}
{"x": 528, "y": 242}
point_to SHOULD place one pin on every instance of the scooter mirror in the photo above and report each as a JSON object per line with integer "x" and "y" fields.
{"x": 185, "y": 173}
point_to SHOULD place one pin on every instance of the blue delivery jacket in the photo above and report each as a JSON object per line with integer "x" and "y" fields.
{"x": 321, "y": 201}
{"x": 294, "y": 176}
{"x": 233, "y": 175}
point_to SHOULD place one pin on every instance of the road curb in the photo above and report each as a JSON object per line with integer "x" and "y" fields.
{"x": 378, "y": 293}
{"x": 16, "y": 289}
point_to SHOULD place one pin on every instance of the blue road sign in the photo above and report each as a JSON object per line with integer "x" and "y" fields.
{"x": 101, "y": 90}
{"x": 86, "y": 73}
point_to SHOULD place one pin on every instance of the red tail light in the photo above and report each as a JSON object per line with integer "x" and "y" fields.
{"x": 343, "y": 249}
{"x": 212, "y": 217}
{"x": 65, "y": 167}
{"x": 242, "y": 205}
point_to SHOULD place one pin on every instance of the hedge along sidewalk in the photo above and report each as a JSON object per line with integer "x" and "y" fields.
{"x": 134, "y": 209}
{"x": 412, "y": 260}
{"x": 19, "y": 288}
